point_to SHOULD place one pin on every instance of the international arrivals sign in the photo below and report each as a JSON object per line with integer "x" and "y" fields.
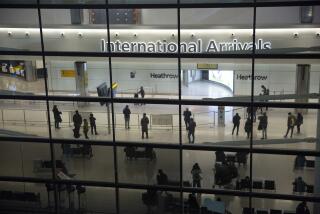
{"x": 198, "y": 46}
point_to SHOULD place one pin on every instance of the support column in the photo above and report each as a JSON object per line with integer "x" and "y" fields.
{"x": 81, "y": 79}
{"x": 302, "y": 84}
{"x": 316, "y": 207}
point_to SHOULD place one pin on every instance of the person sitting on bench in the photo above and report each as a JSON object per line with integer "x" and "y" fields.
{"x": 162, "y": 178}
{"x": 299, "y": 185}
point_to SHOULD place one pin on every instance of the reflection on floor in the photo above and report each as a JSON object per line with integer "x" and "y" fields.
{"x": 17, "y": 159}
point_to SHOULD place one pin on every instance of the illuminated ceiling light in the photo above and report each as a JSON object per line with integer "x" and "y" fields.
{"x": 27, "y": 34}
{"x": 318, "y": 35}
{"x": 80, "y": 35}
{"x": 62, "y": 34}
{"x": 295, "y": 35}
{"x": 9, "y": 33}
{"x": 172, "y": 35}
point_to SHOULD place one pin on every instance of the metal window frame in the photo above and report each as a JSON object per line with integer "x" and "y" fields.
{"x": 178, "y": 102}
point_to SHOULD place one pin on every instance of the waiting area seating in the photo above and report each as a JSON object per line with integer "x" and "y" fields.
{"x": 84, "y": 150}
{"x": 256, "y": 184}
{"x": 19, "y": 199}
{"x": 247, "y": 210}
{"x": 239, "y": 157}
{"x": 134, "y": 153}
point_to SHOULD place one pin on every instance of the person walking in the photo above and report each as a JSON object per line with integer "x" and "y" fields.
{"x": 299, "y": 122}
{"x": 248, "y": 127}
{"x": 77, "y": 121}
{"x": 126, "y": 112}
{"x": 196, "y": 177}
{"x": 85, "y": 128}
{"x": 236, "y": 123}
{"x": 187, "y": 115}
{"x": 57, "y": 116}
{"x": 93, "y": 125}
{"x": 144, "y": 125}
{"x": 191, "y": 130}
{"x": 290, "y": 124}
{"x": 263, "y": 124}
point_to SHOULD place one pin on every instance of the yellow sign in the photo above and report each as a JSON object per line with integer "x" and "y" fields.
{"x": 207, "y": 66}
{"x": 68, "y": 73}
{"x": 114, "y": 85}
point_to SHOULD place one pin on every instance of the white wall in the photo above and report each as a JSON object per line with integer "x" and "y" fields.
{"x": 280, "y": 77}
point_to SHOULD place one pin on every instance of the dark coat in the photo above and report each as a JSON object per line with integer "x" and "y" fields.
{"x": 77, "y": 119}
{"x": 263, "y": 121}
{"x": 236, "y": 119}
{"x": 57, "y": 114}
{"x": 126, "y": 112}
{"x": 144, "y": 123}
{"x": 187, "y": 115}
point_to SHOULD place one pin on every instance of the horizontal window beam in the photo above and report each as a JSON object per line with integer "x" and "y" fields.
{"x": 163, "y": 188}
{"x": 164, "y": 55}
{"x": 163, "y": 101}
{"x": 167, "y": 5}
{"x": 159, "y": 145}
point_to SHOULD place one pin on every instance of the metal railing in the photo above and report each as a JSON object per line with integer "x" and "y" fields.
{"x": 39, "y": 117}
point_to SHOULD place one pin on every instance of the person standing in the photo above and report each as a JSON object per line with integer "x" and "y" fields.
{"x": 144, "y": 125}
{"x": 142, "y": 93}
{"x": 191, "y": 130}
{"x": 302, "y": 208}
{"x": 57, "y": 116}
{"x": 187, "y": 115}
{"x": 299, "y": 122}
{"x": 93, "y": 125}
{"x": 248, "y": 127}
{"x": 236, "y": 123}
{"x": 126, "y": 112}
{"x": 85, "y": 128}
{"x": 263, "y": 124}
{"x": 290, "y": 124}
{"x": 77, "y": 121}
{"x": 196, "y": 177}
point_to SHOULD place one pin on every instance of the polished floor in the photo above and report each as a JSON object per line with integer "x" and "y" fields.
{"x": 29, "y": 118}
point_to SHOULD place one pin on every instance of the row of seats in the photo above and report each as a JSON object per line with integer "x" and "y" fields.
{"x": 256, "y": 184}
{"x": 247, "y": 210}
{"x": 20, "y": 196}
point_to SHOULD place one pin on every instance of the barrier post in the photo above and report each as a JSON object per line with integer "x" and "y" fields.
{"x": 138, "y": 121}
{"x": 24, "y": 117}
{"x": 214, "y": 118}
{"x": 2, "y": 117}
{"x": 150, "y": 121}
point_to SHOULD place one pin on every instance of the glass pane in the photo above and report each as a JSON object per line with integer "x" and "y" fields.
{"x": 77, "y": 76}
{"x": 20, "y": 159}
{"x": 157, "y": 77}
{"x": 19, "y": 197}
{"x": 15, "y": 37}
{"x": 85, "y": 162}
{"x": 204, "y": 34}
{"x": 216, "y": 169}
{"x": 280, "y": 206}
{"x": 159, "y": 125}
{"x": 291, "y": 174}
{"x": 287, "y": 82}
{"x": 282, "y": 128}
{"x": 298, "y": 39}
{"x": 60, "y": 33}
{"x": 225, "y": 80}
{"x": 142, "y": 1}
{"x": 22, "y": 75}
{"x": 140, "y": 165}
{"x": 24, "y": 118}
{"x": 72, "y": 125}
{"x": 216, "y": 125}
{"x": 147, "y": 32}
